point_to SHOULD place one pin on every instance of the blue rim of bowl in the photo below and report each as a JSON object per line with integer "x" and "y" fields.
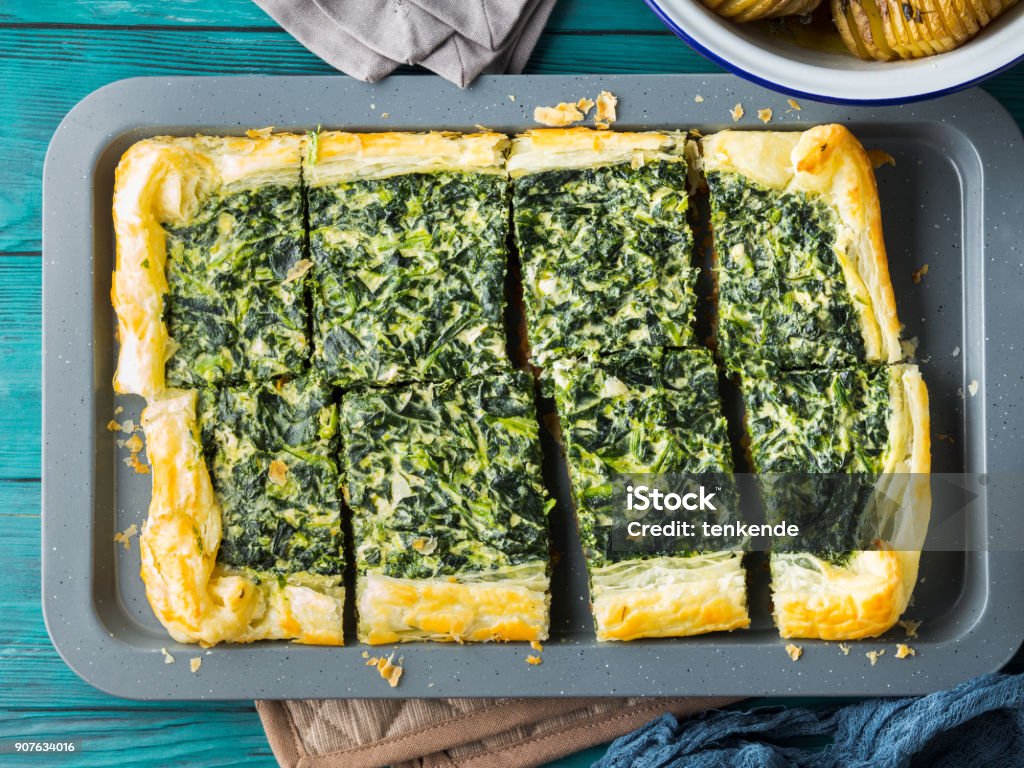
{"x": 678, "y": 31}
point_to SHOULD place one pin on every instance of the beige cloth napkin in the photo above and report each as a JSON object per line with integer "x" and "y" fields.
{"x": 455, "y": 733}
{"x": 457, "y": 39}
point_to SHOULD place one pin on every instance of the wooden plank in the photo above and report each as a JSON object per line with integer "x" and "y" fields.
{"x": 20, "y": 368}
{"x": 584, "y": 15}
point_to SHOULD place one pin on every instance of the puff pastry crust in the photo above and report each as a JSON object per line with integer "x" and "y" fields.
{"x": 547, "y": 149}
{"x": 829, "y": 163}
{"x": 197, "y": 600}
{"x": 866, "y": 595}
{"x": 496, "y": 606}
{"x": 670, "y": 596}
{"x": 164, "y": 180}
{"x": 336, "y": 156}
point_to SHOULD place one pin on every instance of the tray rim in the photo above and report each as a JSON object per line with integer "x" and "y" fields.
{"x": 91, "y": 127}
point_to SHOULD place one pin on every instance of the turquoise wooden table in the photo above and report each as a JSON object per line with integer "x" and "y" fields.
{"x": 52, "y": 53}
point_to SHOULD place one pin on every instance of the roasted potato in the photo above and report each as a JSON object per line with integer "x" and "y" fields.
{"x": 908, "y": 29}
{"x": 752, "y": 10}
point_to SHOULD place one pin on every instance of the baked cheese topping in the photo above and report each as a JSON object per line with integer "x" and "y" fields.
{"x": 271, "y": 451}
{"x": 408, "y": 276}
{"x": 782, "y": 293}
{"x": 605, "y": 249}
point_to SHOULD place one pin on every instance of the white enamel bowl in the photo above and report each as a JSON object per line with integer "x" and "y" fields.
{"x": 754, "y": 53}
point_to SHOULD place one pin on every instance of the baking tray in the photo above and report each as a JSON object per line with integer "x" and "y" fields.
{"x": 953, "y": 200}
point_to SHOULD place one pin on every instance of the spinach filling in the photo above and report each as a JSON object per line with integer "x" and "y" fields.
{"x": 819, "y": 439}
{"x": 408, "y": 277}
{"x": 235, "y": 309}
{"x": 271, "y": 449}
{"x": 606, "y": 258}
{"x": 636, "y": 413}
{"x": 782, "y": 295}
{"x": 444, "y": 479}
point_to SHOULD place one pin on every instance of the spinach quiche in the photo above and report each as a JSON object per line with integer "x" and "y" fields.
{"x": 647, "y": 412}
{"x": 251, "y": 551}
{"x": 802, "y": 276}
{"x": 408, "y": 242}
{"x": 449, "y": 512}
{"x": 209, "y": 285}
{"x": 601, "y": 226}
{"x": 807, "y": 427}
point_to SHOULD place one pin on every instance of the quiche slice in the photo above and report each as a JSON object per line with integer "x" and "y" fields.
{"x": 209, "y": 284}
{"x": 408, "y": 241}
{"x": 647, "y": 413}
{"x": 808, "y": 429}
{"x": 243, "y": 538}
{"x": 601, "y": 226}
{"x": 802, "y": 275}
{"x": 449, "y": 512}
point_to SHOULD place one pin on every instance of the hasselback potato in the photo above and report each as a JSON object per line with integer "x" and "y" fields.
{"x": 907, "y": 29}
{"x": 752, "y": 10}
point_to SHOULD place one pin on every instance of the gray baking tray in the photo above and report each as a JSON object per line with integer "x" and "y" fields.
{"x": 953, "y": 201}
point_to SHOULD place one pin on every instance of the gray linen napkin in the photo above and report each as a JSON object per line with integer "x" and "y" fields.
{"x": 457, "y": 39}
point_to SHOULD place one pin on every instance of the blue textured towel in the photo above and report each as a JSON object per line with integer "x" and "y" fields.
{"x": 979, "y": 723}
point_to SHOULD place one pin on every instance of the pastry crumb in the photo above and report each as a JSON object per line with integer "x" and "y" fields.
{"x": 606, "y": 114}
{"x": 956, "y": 351}
{"x": 366, "y": 654}
{"x": 113, "y": 426}
{"x": 873, "y": 656}
{"x": 195, "y": 664}
{"x": 909, "y": 625}
{"x": 534, "y": 660}
{"x": 845, "y": 649}
{"x": 511, "y": 97}
{"x": 388, "y": 670}
{"x": 430, "y": 685}
{"x": 559, "y": 116}
{"x": 764, "y": 115}
{"x": 794, "y": 104}
{"x": 132, "y": 460}
{"x": 385, "y": 115}
{"x": 299, "y": 268}
{"x": 909, "y": 347}
{"x": 133, "y": 443}
{"x": 737, "y": 113}
{"x": 903, "y": 650}
{"x": 880, "y": 157}
{"x": 918, "y": 274}
{"x": 278, "y": 472}
{"x": 794, "y": 651}
{"x": 584, "y": 105}
{"x": 168, "y": 659}
{"x": 973, "y": 387}
{"x": 125, "y": 537}
{"x": 535, "y": 644}
{"x": 119, "y": 410}
{"x": 699, "y": 99}
{"x": 260, "y": 133}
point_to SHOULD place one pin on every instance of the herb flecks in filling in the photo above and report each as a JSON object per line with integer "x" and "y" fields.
{"x": 819, "y": 440}
{"x": 271, "y": 449}
{"x": 782, "y": 295}
{"x": 408, "y": 277}
{"x": 444, "y": 479}
{"x": 232, "y": 313}
{"x": 636, "y": 413}
{"x": 606, "y": 257}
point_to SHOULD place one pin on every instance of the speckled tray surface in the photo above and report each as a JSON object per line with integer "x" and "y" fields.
{"x": 953, "y": 201}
